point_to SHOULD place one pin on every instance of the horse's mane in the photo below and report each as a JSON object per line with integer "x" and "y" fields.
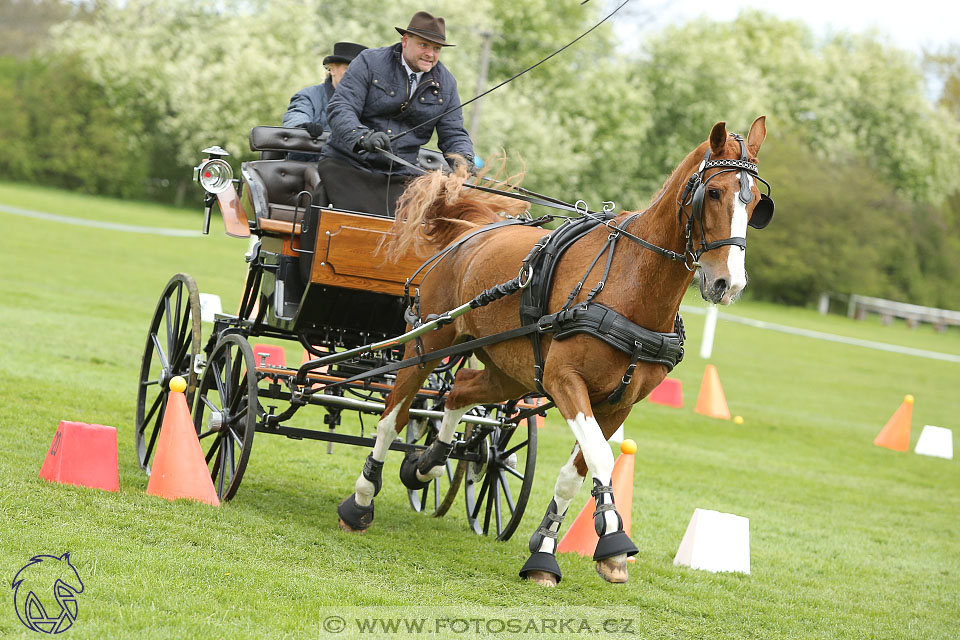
{"x": 437, "y": 208}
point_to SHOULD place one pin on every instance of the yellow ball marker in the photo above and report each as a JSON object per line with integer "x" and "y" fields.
{"x": 628, "y": 446}
{"x": 178, "y": 384}
{"x": 737, "y": 419}
{"x": 908, "y": 398}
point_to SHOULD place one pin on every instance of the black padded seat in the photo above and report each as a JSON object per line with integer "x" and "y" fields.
{"x": 275, "y": 187}
{"x": 273, "y": 140}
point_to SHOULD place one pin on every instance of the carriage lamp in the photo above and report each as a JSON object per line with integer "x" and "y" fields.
{"x": 215, "y": 175}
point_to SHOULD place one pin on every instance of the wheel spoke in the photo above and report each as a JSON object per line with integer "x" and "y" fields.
{"x": 507, "y": 453}
{"x": 498, "y": 507}
{"x": 218, "y": 378}
{"x": 149, "y": 416}
{"x": 479, "y": 503}
{"x": 217, "y": 444}
{"x": 507, "y": 494}
{"x": 160, "y": 353}
{"x": 513, "y": 472}
{"x": 489, "y": 509}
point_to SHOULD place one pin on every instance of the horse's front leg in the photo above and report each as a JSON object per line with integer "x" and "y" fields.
{"x": 570, "y": 394}
{"x": 541, "y": 567}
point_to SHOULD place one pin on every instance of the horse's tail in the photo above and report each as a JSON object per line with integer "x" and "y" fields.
{"x": 435, "y": 209}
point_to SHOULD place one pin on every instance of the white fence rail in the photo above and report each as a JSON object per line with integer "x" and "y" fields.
{"x": 859, "y": 306}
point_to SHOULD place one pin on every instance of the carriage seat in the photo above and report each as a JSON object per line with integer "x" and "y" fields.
{"x": 274, "y": 188}
{"x": 273, "y": 143}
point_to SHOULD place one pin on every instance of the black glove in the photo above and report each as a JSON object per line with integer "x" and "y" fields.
{"x": 315, "y": 129}
{"x": 374, "y": 140}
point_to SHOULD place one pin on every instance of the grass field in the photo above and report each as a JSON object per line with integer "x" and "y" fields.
{"x": 848, "y": 540}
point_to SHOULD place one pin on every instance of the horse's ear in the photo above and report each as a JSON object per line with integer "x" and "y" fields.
{"x": 718, "y": 139}
{"x": 758, "y": 131}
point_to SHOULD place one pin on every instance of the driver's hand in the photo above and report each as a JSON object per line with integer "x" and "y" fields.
{"x": 375, "y": 141}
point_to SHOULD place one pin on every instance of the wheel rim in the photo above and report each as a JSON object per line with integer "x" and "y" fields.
{"x": 171, "y": 348}
{"x": 496, "y": 492}
{"x": 226, "y": 412}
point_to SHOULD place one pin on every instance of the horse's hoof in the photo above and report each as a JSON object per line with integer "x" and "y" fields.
{"x": 542, "y": 578}
{"x": 613, "y": 570}
{"x": 345, "y": 527}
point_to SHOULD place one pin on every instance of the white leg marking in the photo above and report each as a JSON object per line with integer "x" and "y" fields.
{"x": 568, "y": 483}
{"x": 598, "y": 456}
{"x": 451, "y": 418}
{"x": 735, "y": 255}
{"x": 386, "y": 433}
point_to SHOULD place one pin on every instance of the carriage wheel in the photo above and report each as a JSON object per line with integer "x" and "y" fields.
{"x": 173, "y": 343}
{"x": 226, "y": 412}
{"x": 443, "y": 489}
{"x": 498, "y": 487}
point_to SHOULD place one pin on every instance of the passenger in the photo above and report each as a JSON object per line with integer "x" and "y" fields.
{"x": 392, "y": 90}
{"x": 308, "y": 107}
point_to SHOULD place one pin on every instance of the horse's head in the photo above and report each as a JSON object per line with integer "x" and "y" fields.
{"x": 720, "y": 199}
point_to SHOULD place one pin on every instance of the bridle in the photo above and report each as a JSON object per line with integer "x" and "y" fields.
{"x": 693, "y": 194}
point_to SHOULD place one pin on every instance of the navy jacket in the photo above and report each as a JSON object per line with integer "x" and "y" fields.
{"x": 372, "y": 96}
{"x": 308, "y": 105}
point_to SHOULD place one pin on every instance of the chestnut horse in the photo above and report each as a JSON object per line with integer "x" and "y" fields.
{"x": 715, "y": 189}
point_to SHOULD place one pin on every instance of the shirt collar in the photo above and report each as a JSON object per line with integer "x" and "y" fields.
{"x": 408, "y": 70}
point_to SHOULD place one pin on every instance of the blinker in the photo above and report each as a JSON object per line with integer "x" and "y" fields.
{"x": 762, "y": 213}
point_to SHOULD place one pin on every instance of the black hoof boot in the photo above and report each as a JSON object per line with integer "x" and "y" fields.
{"x": 540, "y": 563}
{"x": 353, "y": 517}
{"x": 408, "y": 472}
{"x": 613, "y": 545}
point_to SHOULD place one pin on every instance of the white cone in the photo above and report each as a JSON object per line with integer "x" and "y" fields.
{"x": 209, "y": 306}
{"x": 935, "y": 441}
{"x": 715, "y": 541}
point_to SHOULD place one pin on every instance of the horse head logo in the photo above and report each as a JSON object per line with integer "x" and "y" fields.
{"x": 40, "y": 578}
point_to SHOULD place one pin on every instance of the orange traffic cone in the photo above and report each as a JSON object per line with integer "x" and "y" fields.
{"x": 84, "y": 455}
{"x": 582, "y": 536}
{"x": 711, "y": 401}
{"x": 669, "y": 392}
{"x": 179, "y": 469}
{"x": 896, "y": 434}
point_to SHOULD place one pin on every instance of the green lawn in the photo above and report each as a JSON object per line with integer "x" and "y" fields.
{"x": 848, "y": 540}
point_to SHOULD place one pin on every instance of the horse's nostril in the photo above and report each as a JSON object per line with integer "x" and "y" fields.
{"x": 720, "y": 285}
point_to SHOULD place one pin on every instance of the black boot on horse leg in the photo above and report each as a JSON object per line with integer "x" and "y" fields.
{"x": 420, "y": 468}
{"x": 614, "y": 545}
{"x": 541, "y": 567}
{"x": 415, "y": 470}
{"x": 356, "y": 511}
{"x": 354, "y": 517}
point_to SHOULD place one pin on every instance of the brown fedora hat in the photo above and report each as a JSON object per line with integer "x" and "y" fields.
{"x": 427, "y": 27}
{"x": 344, "y": 52}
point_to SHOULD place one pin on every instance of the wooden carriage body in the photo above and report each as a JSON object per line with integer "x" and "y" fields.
{"x": 322, "y": 268}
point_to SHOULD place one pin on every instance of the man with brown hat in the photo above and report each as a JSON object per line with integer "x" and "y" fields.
{"x": 394, "y": 90}
{"x": 308, "y": 107}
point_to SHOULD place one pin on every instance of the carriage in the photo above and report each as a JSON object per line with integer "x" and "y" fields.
{"x": 315, "y": 279}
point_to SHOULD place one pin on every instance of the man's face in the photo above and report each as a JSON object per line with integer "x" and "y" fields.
{"x": 337, "y": 69}
{"x": 420, "y": 54}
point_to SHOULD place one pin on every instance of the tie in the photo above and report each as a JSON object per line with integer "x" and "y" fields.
{"x": 413, "y": 83}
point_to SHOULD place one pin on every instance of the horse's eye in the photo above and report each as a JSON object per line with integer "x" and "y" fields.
{"x": 714, "y": 193}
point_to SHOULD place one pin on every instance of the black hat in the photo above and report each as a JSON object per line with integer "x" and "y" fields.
{"x": 427, "y": 27}
{"x": 344, "y": 52}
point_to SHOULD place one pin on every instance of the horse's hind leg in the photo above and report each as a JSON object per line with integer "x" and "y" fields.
{"x": 356, "y": 511}
{"x": 470, "y": 388}
{"x": 541, "y": 567}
